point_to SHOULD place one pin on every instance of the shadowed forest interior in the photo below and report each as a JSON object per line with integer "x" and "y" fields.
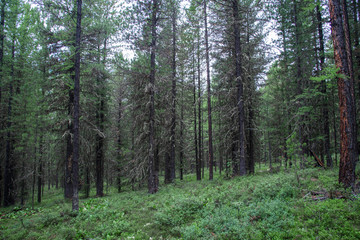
{"x": 228, "y": 119}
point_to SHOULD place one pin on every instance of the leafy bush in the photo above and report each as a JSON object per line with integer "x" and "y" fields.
{"x": 178, "y": 212}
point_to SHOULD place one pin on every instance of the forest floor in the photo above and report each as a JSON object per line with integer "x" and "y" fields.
{"x": 301, "y": 204}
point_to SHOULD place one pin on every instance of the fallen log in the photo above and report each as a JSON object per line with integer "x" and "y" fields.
{"x": 316, "y": 158}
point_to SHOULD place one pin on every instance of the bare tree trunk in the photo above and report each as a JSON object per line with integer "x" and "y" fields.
{"x": 299, "y": 82}
{"x": 119, "y": 144}
{"x": 240, "y": 94}
{"x": 199, "y": 107}
{"x": 2, "y": 122}
{"x": 87, "y": 182}
{"x": 334, "y": 124}
{"x": 211, "y": 154}
{"x": 99, "y": 137}
{"x": 202, "y": 146}
{"x": 170, "y": 157}
{"x": 68, "y": 187}
{"x": 75, "y": 165}
{"x": 197, "y": 160}
{"x": 325, "y": 111}
{"x": 181, "y": 154}
{"x": 153, "y": 181}
{"x": 250, "y": 142}
{"x": 40, "y": 171}
{"x": 34, "y": 167}
{"x": 342, "y": 53}
{"x": 9, "y": 175}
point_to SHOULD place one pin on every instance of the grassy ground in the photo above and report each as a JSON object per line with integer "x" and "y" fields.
{"x": 303, "y": 204}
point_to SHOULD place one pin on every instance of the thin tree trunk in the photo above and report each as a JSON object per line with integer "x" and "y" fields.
{"x": 197, "y": 160}
{"x": 181, "y": 154}
{"x": 220, "y": 145}
{"x": 99, "y": 137}
{"x": 40, "y": 171}
{"x": 173, "y": 94}
{"x": 9, "y": 175}
{"x": 299, "y": 82}
{"x": 2, "y": 122}
{"x": 251, "y": 127}
{"x": 342, "y": 54}
{"x": 2, "y": 37}
{"x": 75, "y": 165}
{"x": 23, "y": 184}
{"x": 87, "y": 182}
{"x": 68, "y": 189}
{"x": 211, "y": 154}
{"x": 49, "y": 174}
{"x": 240, "y": 95}
{"x": 334, "y": 124}
{"x": 119, "y": 144}
{"x": 202, "y": 146}
{"x": 153, "y": 181}
{"x": 34, "y": 168}
{"x": 325, "y": 111}
{"x": 199, "y": 104}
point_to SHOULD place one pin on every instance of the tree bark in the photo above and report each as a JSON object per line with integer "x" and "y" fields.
{"x": 197, "y": 160}
{"x": 100, "y": 137}
{"x": 40, "y": 171}
{"x": 119, "y": 144}
{"x": 250, "y": 141}
{"x": 299, "y": 82}
{"x": 211, "y": 154}
{"x": 199, "y": 106}
{"x": 9, "y": 174}
{"x": 181, "y": 153}
{"x": 2, "y": 122}
{"x": 325, "y": 111}
{"x": 68, "y": 188}
{"x": 2, "y": 37}
{"x": 240, "y": 94}
{"x": 170, "y": 164}
{"x": 75, "y": 165}
{"x": 343, "y": 61}
{"x": 153, "y": 181}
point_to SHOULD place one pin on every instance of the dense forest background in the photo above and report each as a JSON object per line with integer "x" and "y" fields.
{"x": 124, "y": 93}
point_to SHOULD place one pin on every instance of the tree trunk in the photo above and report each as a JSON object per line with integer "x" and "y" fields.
{"x": 199, "y": 106}
{"x": 2, "y": 37}
{"x": 211, "y": 154}
{"x": 325, "y": 111}
{"x": 181, "y": 154}
{"x": 357, "y": 44}
{"x": 202, "y": 146}
{"x": 99, "y": 162}
{"x": 197, "y": 160}
{"x": 342, "y": 54}
{"x": 75, "y": 165}
{"x": 250, "y": 142}
{"x": 240, "y": 95}
{"x": 170, "y": 158}
{"x": 153, "y": 181}
{"x": 119, "y": 144}
{"x": 40, "y": 171}
{"x": 87, "y": 182}
{"x": 334, "y": 124}
{"x": 68, "y": 187}
{"x": 299, "y": 82}
{"x": 9, "y": 174}
{"x": 173, "y": 95}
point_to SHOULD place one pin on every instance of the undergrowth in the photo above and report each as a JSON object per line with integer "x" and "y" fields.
{"x": 306, "y": 204}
